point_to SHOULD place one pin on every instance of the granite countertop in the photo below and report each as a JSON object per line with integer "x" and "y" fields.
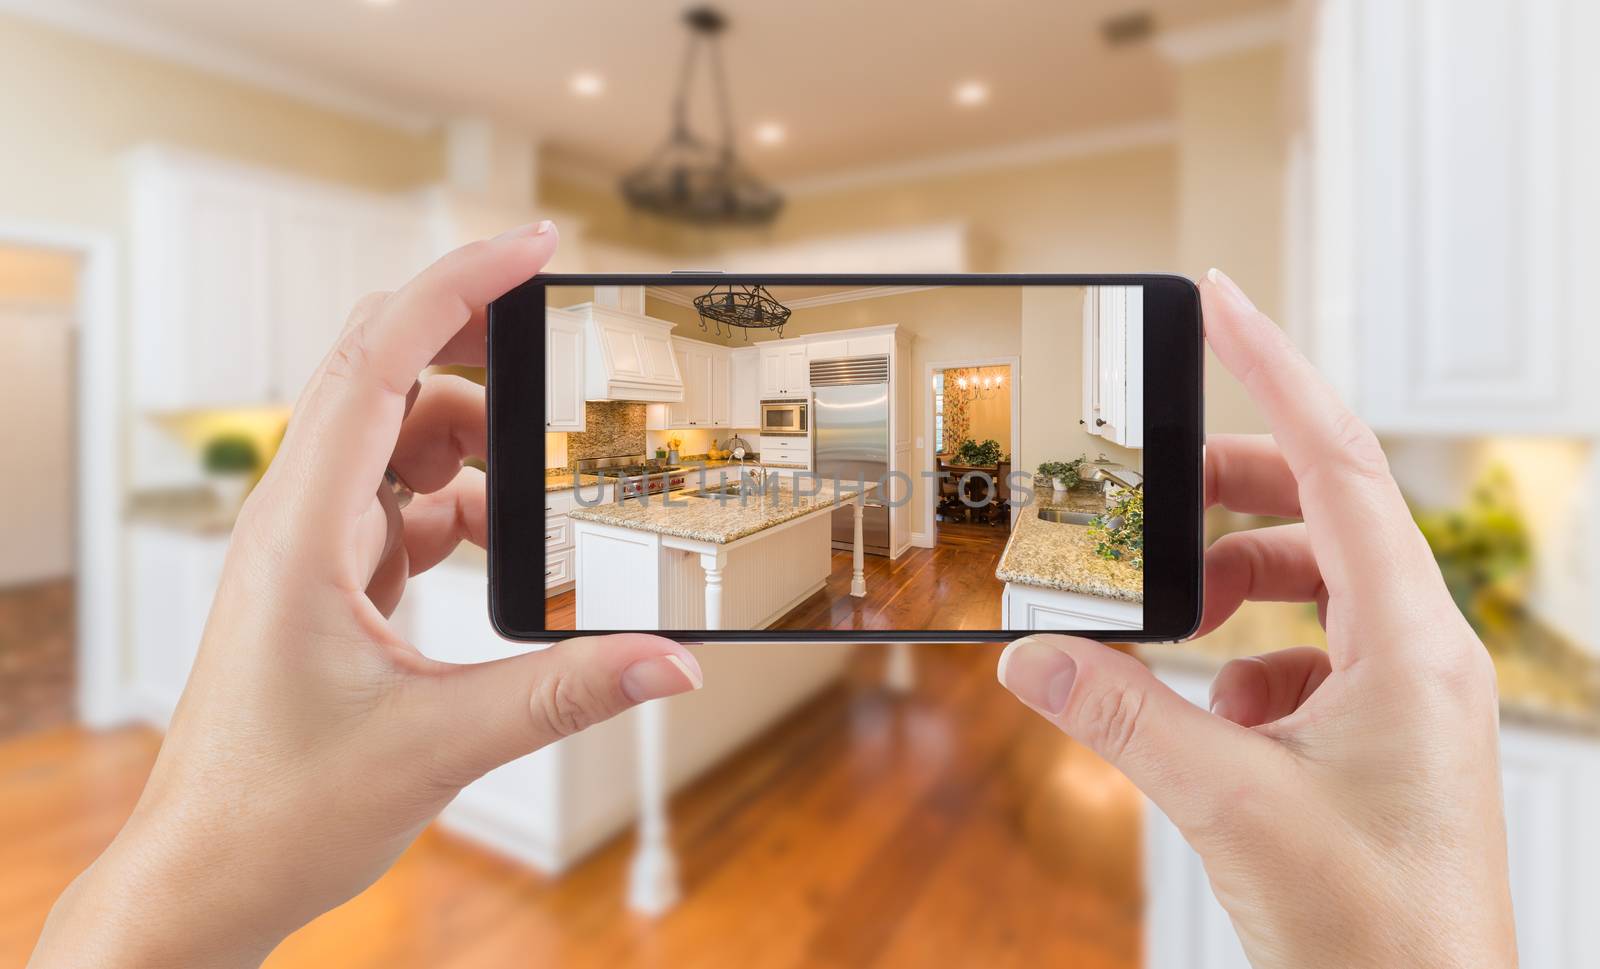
{"x": 1055, "y": 555}
{"x": 717, "y": 520}
{"x": 194, "y": 510}
{"x": 562, "y": 479}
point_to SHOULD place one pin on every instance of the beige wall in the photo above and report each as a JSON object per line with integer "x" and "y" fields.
{"x": 87, "y": 103}
{"x": 1232, "y": 145}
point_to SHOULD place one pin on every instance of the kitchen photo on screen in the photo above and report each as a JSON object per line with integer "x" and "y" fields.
{"x": 733, "y": 457}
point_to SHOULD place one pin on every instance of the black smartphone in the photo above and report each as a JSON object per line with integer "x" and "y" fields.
{"x": 814, "y": 458}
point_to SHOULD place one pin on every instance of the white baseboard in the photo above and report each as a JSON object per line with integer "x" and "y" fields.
{"x": 502, "y": 828}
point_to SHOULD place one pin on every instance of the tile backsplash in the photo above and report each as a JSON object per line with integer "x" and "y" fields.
{"x": 614, "y": 427}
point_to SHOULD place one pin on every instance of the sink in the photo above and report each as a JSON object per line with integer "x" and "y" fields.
{"x": 732, "y": 488}
{"x": 1065, "y": 517}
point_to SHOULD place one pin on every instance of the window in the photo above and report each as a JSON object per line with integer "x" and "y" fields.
{"x": 938, "y": 413}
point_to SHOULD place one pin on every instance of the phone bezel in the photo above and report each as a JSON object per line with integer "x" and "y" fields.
{"x": 1174, "y": 453}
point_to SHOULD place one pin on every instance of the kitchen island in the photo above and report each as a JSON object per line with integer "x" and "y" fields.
{"x": 723, "y": 557}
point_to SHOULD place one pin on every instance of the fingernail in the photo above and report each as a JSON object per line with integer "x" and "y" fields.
{"x": 660, "y": 676}
{"x": 1039, "y": 673}
{"x": 1219, "y": 707}
{"x": 529, "y": 230}
{"x": 1221, "y": 280}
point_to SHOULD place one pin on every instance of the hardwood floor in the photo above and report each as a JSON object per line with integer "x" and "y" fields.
{"x": 950, "y": 586}
{"x": 37, "y": 659}
{"x": 949, "y": 828}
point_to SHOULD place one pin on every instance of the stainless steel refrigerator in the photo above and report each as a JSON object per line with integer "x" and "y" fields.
{"x": 850, "y": 421}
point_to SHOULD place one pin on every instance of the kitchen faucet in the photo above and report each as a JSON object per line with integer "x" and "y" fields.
{"x": 1119, "y": 477}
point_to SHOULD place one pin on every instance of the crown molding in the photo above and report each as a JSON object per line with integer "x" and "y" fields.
{"x": 1085, "y": 144}
{"x": 1222, "y": 38}
{"x": 854, "y": 295}
{"x": 671, "y": 295}
{"x": 119, "y": 28}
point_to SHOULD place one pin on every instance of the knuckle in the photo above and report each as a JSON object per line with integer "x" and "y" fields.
{"x": 1111, "y": 719}
{"x": 1359, "y": 448}
{"x": 348, "y": 356}
{"x": 561, "y": 706}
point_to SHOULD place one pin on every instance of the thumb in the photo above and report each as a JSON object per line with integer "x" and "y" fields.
{"x": 500, "y": 710}
{"x": 1191, "y": 764}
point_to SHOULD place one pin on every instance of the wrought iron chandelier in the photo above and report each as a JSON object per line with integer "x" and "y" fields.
{"x": 689, "y": 179}
{"x": 745, "y": 307}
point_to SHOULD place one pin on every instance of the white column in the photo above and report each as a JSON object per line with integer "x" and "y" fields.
{"x": 899, "y": 670}
{"x": 653, "y": 875}
{"x": 713, "y": 562}
{"x": 858, "y": 578}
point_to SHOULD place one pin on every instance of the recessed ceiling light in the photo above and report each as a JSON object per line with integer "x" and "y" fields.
{"x": 771, "y": 133}
{"x": 971, "y": 94}
{"x": 380, "y": 3}
{"x": 587, "y": 84}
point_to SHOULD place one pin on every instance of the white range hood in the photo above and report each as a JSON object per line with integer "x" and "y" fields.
{"x": 627, "y": 355}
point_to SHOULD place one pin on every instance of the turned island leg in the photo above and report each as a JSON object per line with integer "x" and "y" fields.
{"x": 858, "y": 578}
{"x": 653, "y": 874}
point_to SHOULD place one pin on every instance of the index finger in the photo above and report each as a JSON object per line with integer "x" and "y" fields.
{"x": 1360, "y": 527}
{"x": 344, "y": 428}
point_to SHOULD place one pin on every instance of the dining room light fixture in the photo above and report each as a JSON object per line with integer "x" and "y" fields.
{"x": 771, "y": 133}
{"x": 690, "y": 179}
{"x": 740, "y": 307}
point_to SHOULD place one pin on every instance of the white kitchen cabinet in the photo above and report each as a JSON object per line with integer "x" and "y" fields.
{"x": 1029, "y": 607}
{"x": 1452, "y": 214}
{"x": 201, "y": 286}
{"x": 720, "y": 407}
{"x": 1113, "y": 364}
{"x": 243, "y": 279}
{"x": 706, "y": 386}
{"x": 173, "y": 574}
{"x": 744, "y": 388}
{"x": 1551, "y": 784}
{"x": 827, "y": 349}
{"x": 785, "y": 369}
{"x": 564, "y": 408}
{"x": 559, "y": 555}
{"x": 874, "y": 344}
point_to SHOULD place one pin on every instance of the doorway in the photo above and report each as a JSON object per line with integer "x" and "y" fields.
{"x": 974, "y": 430}
{"x": 39, "y": 289}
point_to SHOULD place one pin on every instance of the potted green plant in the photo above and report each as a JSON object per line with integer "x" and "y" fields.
{"x": 975, "y": 455}
{"x": 1063, "y": 475}
{"x": 231, "y": 462}
{"x": 1119, "y": 533}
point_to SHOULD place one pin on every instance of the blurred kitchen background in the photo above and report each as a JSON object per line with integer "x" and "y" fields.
{"x": 193, "y": 193}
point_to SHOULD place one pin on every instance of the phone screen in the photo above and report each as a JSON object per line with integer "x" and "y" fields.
{"x": 831, "y": 460}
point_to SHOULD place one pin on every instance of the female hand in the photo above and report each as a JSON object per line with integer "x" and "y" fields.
{"x": 1346, "y": 803}
{"x": 312, "y": 743}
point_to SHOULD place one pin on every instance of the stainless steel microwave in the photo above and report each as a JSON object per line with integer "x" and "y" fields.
{"x": 787, "y": 416}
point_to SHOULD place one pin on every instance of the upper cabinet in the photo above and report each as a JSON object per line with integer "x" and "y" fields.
{"x": 707, "y": 376}
{"x": 1113, "y": 364}
{"x": 785, "y": 369}
{"x": 744, "y": 387}
{"x": 563, "y": 378}
{"x": 242, "y": 280}
{"x": 1444, "y": 173}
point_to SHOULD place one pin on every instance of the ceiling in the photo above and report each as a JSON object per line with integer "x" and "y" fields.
{"x": 854, "y": 84}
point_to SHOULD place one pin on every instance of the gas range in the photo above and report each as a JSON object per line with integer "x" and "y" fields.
{"x": 635, "y": 475}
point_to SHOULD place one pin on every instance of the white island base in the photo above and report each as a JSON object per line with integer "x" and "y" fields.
{"x": 633, "y": 579}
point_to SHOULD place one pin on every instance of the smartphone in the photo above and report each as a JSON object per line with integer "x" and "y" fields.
{"x": 815, "y": 458}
